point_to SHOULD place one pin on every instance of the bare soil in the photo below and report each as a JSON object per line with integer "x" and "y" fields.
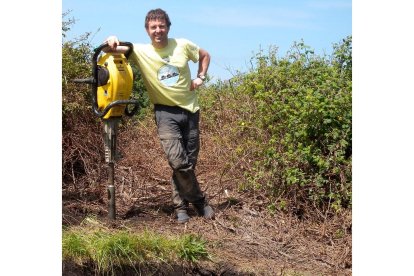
{"x": 244, "y": 239}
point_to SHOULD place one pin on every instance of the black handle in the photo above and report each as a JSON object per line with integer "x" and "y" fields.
{"x": 98, "y": 49}
{"x": 115, "y": 103}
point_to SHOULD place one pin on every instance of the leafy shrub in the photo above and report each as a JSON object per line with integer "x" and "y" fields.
{"x": 292, "y": 116}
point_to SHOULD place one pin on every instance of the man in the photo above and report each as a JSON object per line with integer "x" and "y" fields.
{"x": 167, "y": 77}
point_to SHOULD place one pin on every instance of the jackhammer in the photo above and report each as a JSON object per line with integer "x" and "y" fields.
{"x": 111, "y": 83}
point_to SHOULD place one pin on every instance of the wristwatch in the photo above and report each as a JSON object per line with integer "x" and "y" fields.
{"x": 202, "y": 77}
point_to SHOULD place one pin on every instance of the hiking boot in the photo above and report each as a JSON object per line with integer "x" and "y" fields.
{"x": 182, "y": 216}
{"x": 204, "y": 210}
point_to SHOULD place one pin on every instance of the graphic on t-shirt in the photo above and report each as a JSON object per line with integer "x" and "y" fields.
{"x": 168, "y": 75}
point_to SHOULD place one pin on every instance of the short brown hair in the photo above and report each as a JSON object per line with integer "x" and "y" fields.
{"x": 157, "y": 14}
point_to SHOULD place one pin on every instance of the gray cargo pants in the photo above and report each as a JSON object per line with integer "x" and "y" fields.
{"x": 178, "y": 130}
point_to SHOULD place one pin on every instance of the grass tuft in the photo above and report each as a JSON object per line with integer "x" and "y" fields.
{"x": 108, "y": 249}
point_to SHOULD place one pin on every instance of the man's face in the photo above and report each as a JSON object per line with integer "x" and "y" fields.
{"x": 158, "y": 32}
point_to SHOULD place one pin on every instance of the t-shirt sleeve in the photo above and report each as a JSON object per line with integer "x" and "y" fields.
{"x": 134, "y": 55}
{"x": 192, "y": 50}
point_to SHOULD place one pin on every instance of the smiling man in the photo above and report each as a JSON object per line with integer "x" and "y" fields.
{"x": 167, "y": 77}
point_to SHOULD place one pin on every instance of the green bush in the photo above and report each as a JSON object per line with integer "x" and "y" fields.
{"x": 292, "y": 116}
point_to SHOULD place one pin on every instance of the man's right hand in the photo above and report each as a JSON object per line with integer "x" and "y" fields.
{"x": 113, "y": 46}
{"x": 113, "y": 42}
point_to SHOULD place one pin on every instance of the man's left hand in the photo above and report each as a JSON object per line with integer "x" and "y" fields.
{"x": 196, "y": 83}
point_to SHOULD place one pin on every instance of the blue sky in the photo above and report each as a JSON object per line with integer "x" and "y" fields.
{"x": 231, "y": 31}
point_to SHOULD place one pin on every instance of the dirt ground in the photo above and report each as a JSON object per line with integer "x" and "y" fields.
{"x": 244, "y": 239}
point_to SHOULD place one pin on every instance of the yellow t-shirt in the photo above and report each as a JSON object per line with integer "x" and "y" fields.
{"x": 166, "y": 73}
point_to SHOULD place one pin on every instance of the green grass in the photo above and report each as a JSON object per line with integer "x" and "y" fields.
{"x": 107, "y": 249}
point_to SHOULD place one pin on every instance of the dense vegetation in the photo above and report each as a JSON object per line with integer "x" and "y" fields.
{"x": 291, "y": 118}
